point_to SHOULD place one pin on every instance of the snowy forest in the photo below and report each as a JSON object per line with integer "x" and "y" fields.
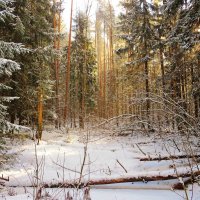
{"x": 100, "y": 99}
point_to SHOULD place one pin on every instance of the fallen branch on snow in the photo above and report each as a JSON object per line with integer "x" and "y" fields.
{"x": 169, "y": 157}
{"x": 122, "y": 166}
{"x": 4, "y": 179}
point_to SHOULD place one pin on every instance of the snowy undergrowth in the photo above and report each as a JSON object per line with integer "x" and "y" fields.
{"x": 106, "y": 194}
{"x": 61, "y": 156}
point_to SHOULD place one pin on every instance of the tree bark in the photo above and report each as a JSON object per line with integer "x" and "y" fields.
{"x": 40, "y": 114}
{"x": 66, "y": 108}
{"x": 57, "y": 29}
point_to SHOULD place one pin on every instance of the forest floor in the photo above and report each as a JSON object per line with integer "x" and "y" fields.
{"x": 60, "y": 159}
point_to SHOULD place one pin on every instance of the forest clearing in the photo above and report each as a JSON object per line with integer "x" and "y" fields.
{"x": 100, "y": 99}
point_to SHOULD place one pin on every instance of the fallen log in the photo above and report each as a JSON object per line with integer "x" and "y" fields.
{"x": 169, "y": 157}
{"x": 144, "y": 179}
{"x": 180, "y": 186}
{"x": 186, "y": 182}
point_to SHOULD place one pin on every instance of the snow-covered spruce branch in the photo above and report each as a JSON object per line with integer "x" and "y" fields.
{"x": 8, "y": 49}
{"x": 6, "y": 11}
{"x": 8, "y": 66}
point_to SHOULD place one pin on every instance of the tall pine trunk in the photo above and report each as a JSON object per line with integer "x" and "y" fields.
{"x": 66, "y": 108}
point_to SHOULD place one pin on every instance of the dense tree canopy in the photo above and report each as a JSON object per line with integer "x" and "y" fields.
{"x": 141, "y": 63}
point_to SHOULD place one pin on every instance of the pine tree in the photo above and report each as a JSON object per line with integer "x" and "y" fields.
{"x": 57, "y": 5}
{"x": 67, "y": 102}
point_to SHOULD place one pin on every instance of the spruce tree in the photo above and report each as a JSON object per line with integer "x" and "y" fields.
{"x": 137, "y": 25}
{"x": 83, "y": 79}
{"x": 8, "y": 65}
{"x": 36, "y": 72}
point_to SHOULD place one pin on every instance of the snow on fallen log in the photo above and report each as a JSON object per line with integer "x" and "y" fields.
{"x": 131, "y": 187}
{"x": 144, "y": 179}
{"x": 169, "y": 157}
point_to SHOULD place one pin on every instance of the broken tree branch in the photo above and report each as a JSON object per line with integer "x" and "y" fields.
{"x": 140, "y": 149}
{"x": 4, "y": 179}
{"x": 122, "y": 166}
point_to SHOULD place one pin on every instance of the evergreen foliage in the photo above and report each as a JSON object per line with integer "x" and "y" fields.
{"x": 83, "y": 77}
{"x": 164, "y": 35}
{"x": 33, "y": 29}
{"x": 8, "y": 64}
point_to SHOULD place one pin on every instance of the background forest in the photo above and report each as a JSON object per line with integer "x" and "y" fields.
{"x": 142, "y": 66}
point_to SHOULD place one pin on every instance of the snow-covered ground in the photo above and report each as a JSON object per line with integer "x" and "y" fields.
{"x": 60, "y": 157}
{"x": 104, "y": 194}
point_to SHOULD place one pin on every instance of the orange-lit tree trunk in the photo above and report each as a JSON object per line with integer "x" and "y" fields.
{"x": 66, "y": 108}
{"x": 40, "y": 114}
{"x": 104, "y": 75}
